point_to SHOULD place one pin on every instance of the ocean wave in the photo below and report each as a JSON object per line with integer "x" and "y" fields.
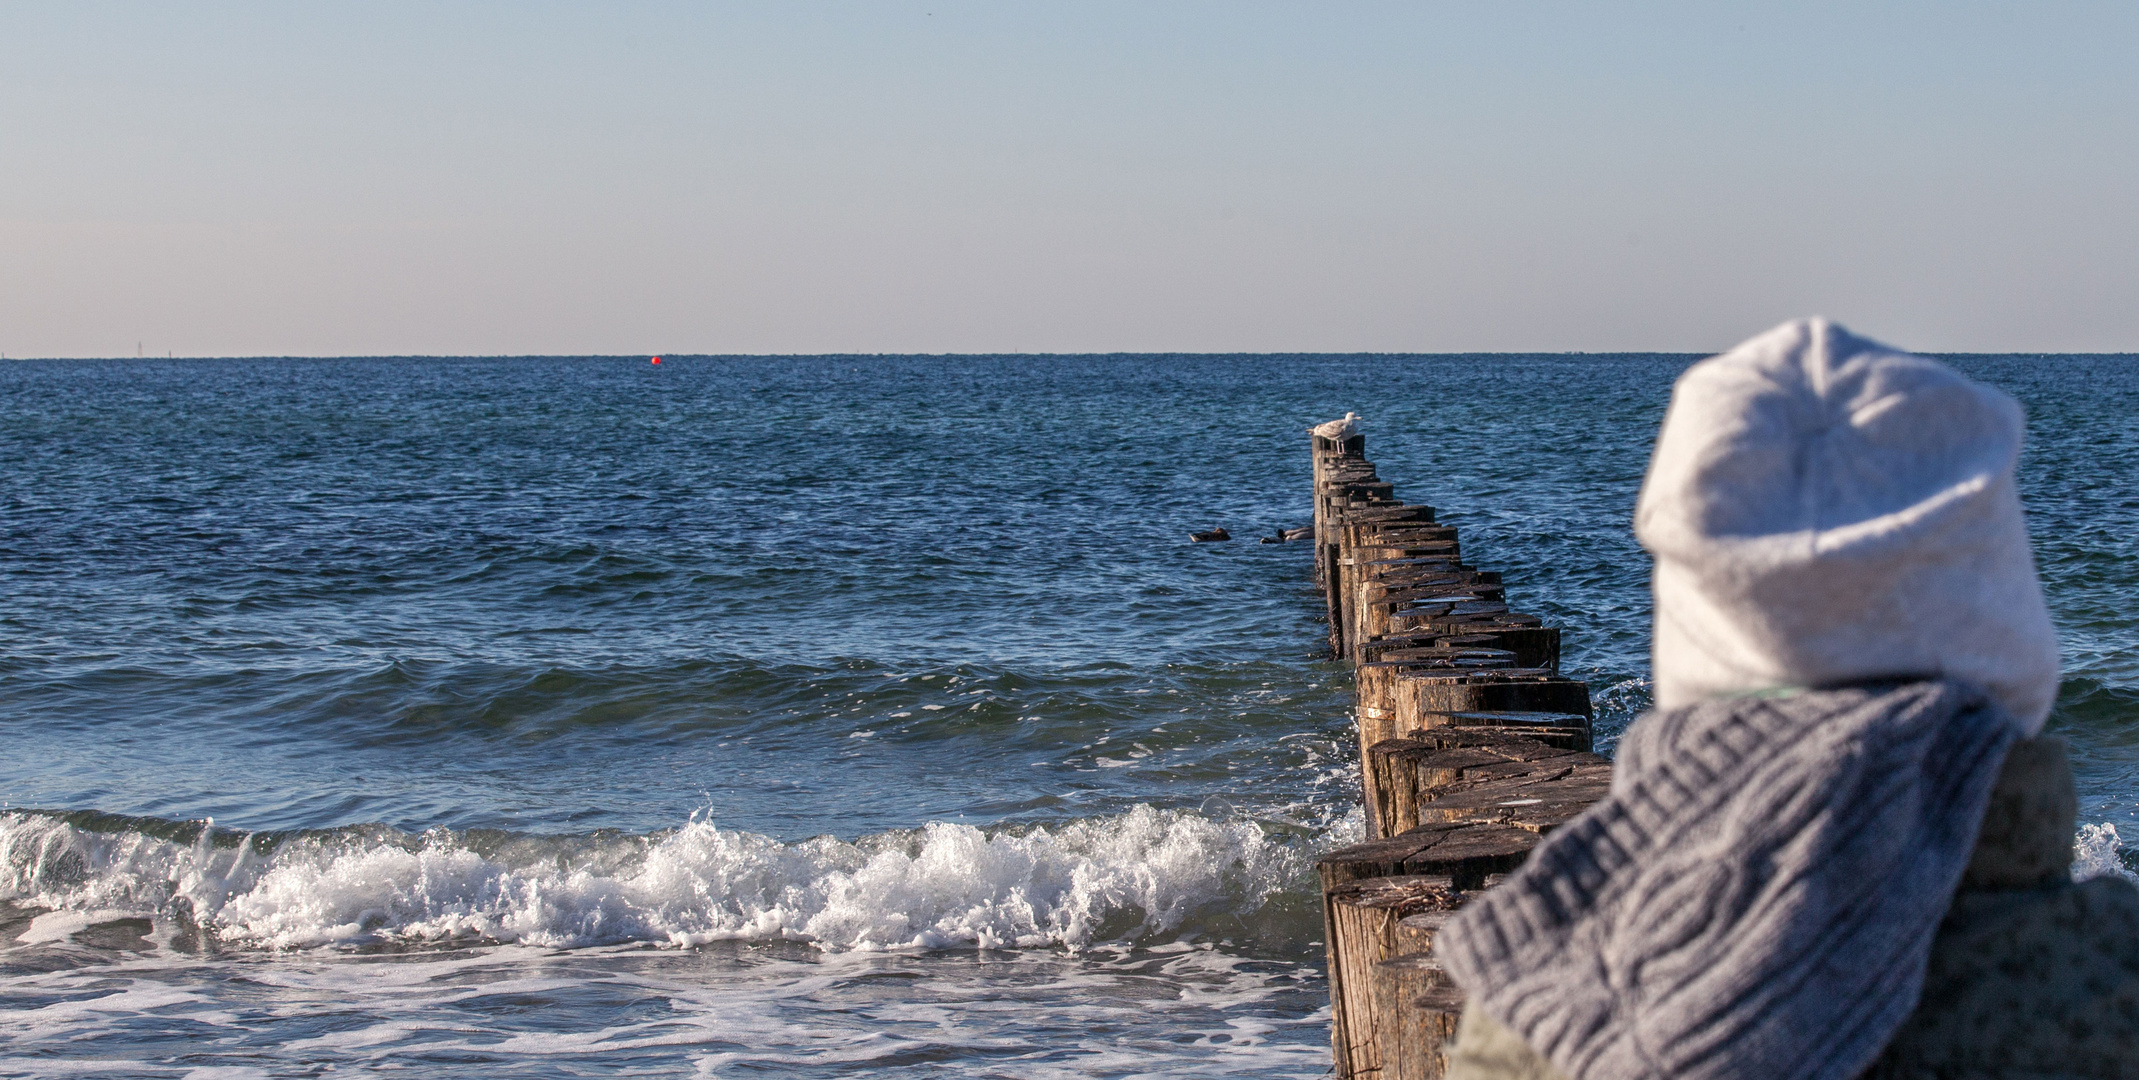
{"x": 2099, "y": 852}
{"x": 1130, "y": 877}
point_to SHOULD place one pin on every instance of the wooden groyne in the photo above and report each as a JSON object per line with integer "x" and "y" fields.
{"x": 1471, "y": 747}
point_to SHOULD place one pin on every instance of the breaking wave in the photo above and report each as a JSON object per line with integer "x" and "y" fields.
{"x": 2099, "y": 852}
{"x": 1129, "y": 877}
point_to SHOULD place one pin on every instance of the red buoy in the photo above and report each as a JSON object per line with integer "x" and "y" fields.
{"x": 657, "y": 361}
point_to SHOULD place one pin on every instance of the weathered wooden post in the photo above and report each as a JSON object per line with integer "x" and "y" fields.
{"x": 1340, "y": 463}
{"x": 1365, "y": 914}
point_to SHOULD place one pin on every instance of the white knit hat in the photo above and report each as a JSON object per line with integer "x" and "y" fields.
{"x": 1825, "y": 510}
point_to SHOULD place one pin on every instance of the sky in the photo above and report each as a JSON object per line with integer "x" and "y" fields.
{"x": 474, "y": 178}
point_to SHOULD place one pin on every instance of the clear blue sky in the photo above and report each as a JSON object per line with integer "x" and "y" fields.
{"x": 309, "y": 178}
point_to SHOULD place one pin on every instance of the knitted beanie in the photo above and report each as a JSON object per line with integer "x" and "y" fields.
{"x": 1825, "y": 510}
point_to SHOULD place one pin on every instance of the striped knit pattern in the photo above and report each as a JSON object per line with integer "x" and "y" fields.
{"x": 1757, "y": 896}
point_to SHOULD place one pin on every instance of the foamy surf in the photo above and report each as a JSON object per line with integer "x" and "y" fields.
{"x": 2098, "y": 852}
{"x": 1132, "y": 877}
{"x": 722, "y": 1010}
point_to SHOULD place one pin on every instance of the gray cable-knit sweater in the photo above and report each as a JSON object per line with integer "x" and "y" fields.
{"x": 2032, "y": 976}
{"x": 1756, "y": 898}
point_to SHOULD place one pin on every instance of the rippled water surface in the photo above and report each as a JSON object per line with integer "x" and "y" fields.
{"x": 777, "y": 716}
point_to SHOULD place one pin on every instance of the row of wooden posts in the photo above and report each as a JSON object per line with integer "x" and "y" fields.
{"x": 1471, "y": 747}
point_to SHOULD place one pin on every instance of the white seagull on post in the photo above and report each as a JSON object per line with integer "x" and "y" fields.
{"x": 1338, "y": 430}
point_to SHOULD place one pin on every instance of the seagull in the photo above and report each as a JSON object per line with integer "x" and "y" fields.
{"x": 1337, "y": 429}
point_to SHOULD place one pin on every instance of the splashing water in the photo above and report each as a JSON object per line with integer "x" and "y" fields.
{"x": 1130, "y": 878}
{"x": 2097, "y": 852}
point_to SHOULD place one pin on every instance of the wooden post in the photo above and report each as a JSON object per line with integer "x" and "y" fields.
{"x": 1341, "y": 473}
{"x": 1322, "y": 451}
{"x": 1360, "y": 920}
{"x": 1417, "y": 781}
{"x": 1533, "y": 646}
{"x": 1424, "y": 1027}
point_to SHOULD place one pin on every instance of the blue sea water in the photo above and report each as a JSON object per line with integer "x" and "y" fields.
{"x": 755, "y": 716}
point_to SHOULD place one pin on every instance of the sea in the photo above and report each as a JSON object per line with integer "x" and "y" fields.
{"x": 822, "y": 716}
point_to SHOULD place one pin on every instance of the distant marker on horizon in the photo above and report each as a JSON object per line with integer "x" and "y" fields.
{"x": 657, "y": 361}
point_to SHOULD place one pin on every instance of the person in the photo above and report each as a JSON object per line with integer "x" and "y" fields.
{"x": 1839, "y": 846}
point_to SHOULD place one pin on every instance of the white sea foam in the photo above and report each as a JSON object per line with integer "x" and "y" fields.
{"x": 2095, "y": 853}
{"x": 1143, "y": 873}
{"x": 1194, "y": 1011}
